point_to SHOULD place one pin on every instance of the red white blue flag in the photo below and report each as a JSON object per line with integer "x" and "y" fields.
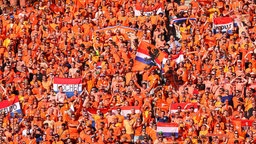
{"x": 143, "y": 58}
{"x": 223, "y": 24}
{"x": 148, "y": 55}
{"x": 69, "y": 85}
{"x": 181, "y": 20}
{"x": 184, "y": 106}
{"x": 147, "y": 11}
{"x": 10, "y": 106}
{"x": 168, "y": 129}
{"x": 127, "y": 110}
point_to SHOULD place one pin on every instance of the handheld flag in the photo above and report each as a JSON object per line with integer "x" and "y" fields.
{"x": 69, "y": 85}
{"x": 143, "y": 58}
{"x": 10, "y": 106}
{"x": 223, "y": 23}
{"x": 168, "y": 129}
{"x": 148, "y": 55}
{"x": 93, "y": 111}
{"x": 183, "y": 106}
{"x": 181, "y": 20}
{"x": 126, "y": 110}
{"x": 147, "y": 11}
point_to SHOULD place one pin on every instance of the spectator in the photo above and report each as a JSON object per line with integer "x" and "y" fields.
{"x": 160, "y": 71}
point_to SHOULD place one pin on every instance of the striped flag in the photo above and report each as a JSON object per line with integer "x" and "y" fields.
{"x": 181, "y": 20}
{"x": 168, "y": 129}
{"x": 69, "y": 85}
{"x": 223, "y": 23}
{"x": 145, "y": 57}
{"x": 123, "y": 30}
{"x": 184, "y": 106}
{"x": 147, "y": 11}
{"x": 179, "y": 59}
{"x": 10, "y": 106}
{"x": 93, "y": 111}
{"x": 126, "y": 109}
{"x": 99, "y": 65}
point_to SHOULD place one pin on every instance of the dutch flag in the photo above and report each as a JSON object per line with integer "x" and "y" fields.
{"x": 168, "y": 129}
{"x": 10, "y": 106}
{"x": 69, "y": 85}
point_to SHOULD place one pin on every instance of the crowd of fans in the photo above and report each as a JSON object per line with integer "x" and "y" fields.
{"x": 55, "y": 38}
